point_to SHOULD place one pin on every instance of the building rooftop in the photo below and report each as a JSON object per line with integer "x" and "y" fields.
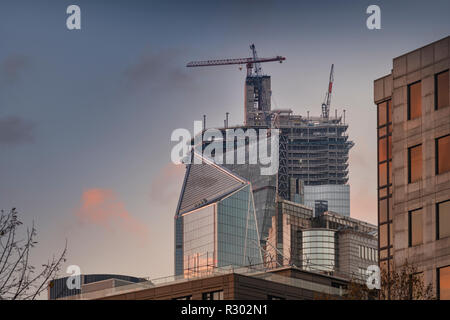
{"x": 306, "y": 280}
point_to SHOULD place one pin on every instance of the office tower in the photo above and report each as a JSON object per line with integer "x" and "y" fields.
{"x": 413, "y": 130}
{"x": 316, "y": 148}
{"x": 215, "y": 222}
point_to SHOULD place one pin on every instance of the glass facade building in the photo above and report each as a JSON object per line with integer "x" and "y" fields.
{"x": 215, "y": 223}
{"x": 337, "y": 196}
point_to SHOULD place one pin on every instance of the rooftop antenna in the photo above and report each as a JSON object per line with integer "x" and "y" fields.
{"x": 204, "y": 122}
{"x": 226, "y": 119}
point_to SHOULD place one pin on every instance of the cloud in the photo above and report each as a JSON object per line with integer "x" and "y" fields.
{"x": 12, "y": 67}
{"x": 15, "y": 130}
{"x": 158, "y": 70}
{"x": 165, "y": 187}
{"x": 102, "y": 207}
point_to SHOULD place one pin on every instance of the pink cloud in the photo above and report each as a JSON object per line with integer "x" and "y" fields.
{"x": 102, "y": 207}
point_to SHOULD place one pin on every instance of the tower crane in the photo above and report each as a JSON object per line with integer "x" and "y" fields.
{"x": 327, "y": 101}
{"x": 252, "y": 63}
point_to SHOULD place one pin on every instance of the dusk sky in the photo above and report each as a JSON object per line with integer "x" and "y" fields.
{"x": 86, "y": 115}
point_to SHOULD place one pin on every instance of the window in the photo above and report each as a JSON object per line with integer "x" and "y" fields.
{"x": 383, "y": 236}
{"x": 383, "y": 211}
{"x": 414, "y": 100}
{"x": 382, "y": 114}
{"x": 443, "y": 219}
{"x": 443, "y": 281}
{"x": 441, "y": 90}
{"x": 414, "y": 163}
{"x": 415, "y": 223}
{"x": 382, "y": 174}
{"x": 213, "y": 295}
{"x": 382, "y": 149}
{"x": 443, "y": 154}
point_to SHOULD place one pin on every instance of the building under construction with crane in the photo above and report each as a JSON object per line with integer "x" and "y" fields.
{"x": 225, "y": 211}
{"x": 313, "y": 149}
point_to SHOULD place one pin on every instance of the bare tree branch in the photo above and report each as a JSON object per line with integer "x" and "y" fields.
{"x": 18, "y": 278}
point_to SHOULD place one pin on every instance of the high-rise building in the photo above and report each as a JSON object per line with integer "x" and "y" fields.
{"x": 215, "y": 222}
{"x": 316, "y": 148}
{"x": 413, "y": 130}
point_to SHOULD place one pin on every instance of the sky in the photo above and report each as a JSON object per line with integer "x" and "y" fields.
{"x": 86, "y": 115}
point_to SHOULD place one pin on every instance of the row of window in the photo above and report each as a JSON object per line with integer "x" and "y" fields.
{"x": 367, "y": 253}
{"x": 213, "y": 295}
{"x": 441, "y": 90}
{"x": 442, "y": 155}
{"x": 416, "y": 224}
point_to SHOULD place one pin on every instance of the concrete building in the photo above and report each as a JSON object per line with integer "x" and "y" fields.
{"x": 413, "y": 126}
{"x": 328, "y": 243}
{"x": 229, "y": 284}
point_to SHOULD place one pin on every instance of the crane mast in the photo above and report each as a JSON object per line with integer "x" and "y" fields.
{"x": 327, "y": 101}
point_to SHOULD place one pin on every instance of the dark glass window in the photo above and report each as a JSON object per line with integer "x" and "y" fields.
{"x": 443, "y": 154}
{"x": 442, "y": 90}
{"x": 443, "y": 219}
{"x": 214, "y": 295}
{"x": 415, "y": 223}
{"x": 414, "y": 163}
{"x": 414, "y": 100}
{"x": 443, "y": 276}
{"x": 382, "y": 113}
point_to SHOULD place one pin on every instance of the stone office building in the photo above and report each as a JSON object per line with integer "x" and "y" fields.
{"x": 413, "y": 133}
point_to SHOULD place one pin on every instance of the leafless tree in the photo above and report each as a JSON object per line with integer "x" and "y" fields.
{"x": 19, "y": 279}
{"x": 406, "y": 283}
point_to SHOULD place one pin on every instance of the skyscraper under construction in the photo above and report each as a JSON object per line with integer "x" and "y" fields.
{"x": 317, "y": 148}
